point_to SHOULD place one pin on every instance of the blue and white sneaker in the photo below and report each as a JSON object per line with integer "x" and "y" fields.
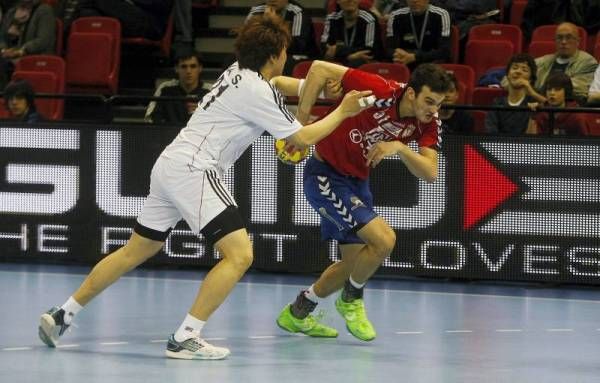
{"x": 52, "y": 326}
{"x": 194, "y": 348}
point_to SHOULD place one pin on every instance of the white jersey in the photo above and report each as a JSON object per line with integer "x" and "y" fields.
{"x": 238, "y": 109}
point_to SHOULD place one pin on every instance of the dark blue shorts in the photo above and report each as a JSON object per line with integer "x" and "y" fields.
{"x": 344, "y": 203}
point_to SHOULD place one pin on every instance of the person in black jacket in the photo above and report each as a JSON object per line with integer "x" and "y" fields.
{"x": 419, "y": 33}
{"x": 188, "y": 68}
{"x": 352, "y": 35}
{"x": 303, "y": 45}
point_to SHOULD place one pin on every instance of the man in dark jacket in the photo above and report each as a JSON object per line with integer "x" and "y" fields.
{"x": 188, "y": 68}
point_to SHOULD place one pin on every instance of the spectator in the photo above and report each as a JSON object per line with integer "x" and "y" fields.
{"x": 352, "y": 35}
{"x": 577, "y": 64}
{"x": 188, "y": 68}
{"x": 303, "y": 44}
{"x": 521, "y": 73}
{"x": 559, "y": 94}
{"x": 19, "y": 100}
{"x": 419, "y": 33}
{"x": 27, "y": 28}
{"x": 457, "y": 121}
{"x": 594, "y": 92}
{"x": 468, "y": 13}
{"x": 139, "y": 18}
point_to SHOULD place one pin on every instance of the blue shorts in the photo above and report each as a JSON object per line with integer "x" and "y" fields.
{"x": 344, "y": 203}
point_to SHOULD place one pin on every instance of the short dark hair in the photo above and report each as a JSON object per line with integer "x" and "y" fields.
{"x": 560, "y": 80}
{"x": 21, "y": 89}
{"x": 187, "y": 54}
{"x": 432, "y": 75}
{"x": 261, "y": 38}
{"x": 526, "y": 59}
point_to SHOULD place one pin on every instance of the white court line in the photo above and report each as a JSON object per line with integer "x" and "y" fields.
{"x": 196, "y": 281}
{"x": 113, "y": 343}
{"x": 262, "y": 337}
{"x": 457, "y": 331}
{"x": 559, "y": 329}
{"x": 409, "y": 332}
{"x": 509, "y": 330}
{"x": 16, "y": 349}
{"x": 67, "y": 345}
{"x": 158, "y": 341}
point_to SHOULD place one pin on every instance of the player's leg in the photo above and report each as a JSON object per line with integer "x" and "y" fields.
{"x": 380, "y": 240}
{"x": 210, "y": 201}
{"x": 157, "y": 217}
{"x": 334, "y": 277}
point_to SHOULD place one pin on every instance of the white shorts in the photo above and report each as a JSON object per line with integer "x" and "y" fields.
{"x": 178, "y": 191}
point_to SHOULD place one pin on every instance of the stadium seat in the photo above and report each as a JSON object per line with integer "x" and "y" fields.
{"x": 94, "y": 70}
{"x": 42, "y": 82}
{"x": 517, "y": 8}
{"x": 52, "y": 64}
{"x": 164, "y": 44}
{"x": 481, "y": 55}
{"x": 59, "y": 37}
{"x": 318, "y": 27}
{"x": 4, "y": 113}
{"x": 392, "y": 71}
{"x": 485, "y": 96}
{"x": 463, "y": 73}
{"x": 454, "y": 44}
{"x": 301, "y": 69}
{"x": 593, "y": 123}
{"x": 596, "y": 51}
{"x": 547, "y": 32}
{"x": 541, "y": 48}
{"x": 498, "y": 32}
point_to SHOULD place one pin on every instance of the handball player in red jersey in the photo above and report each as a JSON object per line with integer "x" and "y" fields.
{"x": 336, "y": 182}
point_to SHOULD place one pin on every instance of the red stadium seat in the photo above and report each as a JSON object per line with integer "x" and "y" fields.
{"x": 481, "y": 55}
{"x": 454, "y": 44}
{"x": 463, "y": 73}
{"x": 392, "y": 71}
{"x": 541, "y": 48}
{"x": 301, "y": 69}
{"x": 547, "y": 32}
{"x": 485, "y": 96}
{"x": 42, "y": 82}
{"x": 97, "y": 69}
{"x": 593, "y": 124}
{"x": 478, "y": 121}
{"x": 517, "y": 8}
{"x": 4, "y": 113}
{"x": 164, "y": 44}
{"x": 51, "y": 64}
{"x": 59, "y": 37}
{"x": 498, "y": 32}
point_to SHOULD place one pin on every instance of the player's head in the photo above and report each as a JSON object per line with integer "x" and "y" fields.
{"x": 558, "y": 89}
{"x": 521, "y": 65}
{"x": 426, "y": 90}
{"x": 263, "y": 41}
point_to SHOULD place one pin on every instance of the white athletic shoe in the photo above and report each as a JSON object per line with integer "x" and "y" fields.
{"x": 52, "y": 326}
{"x": 194, "y": 348}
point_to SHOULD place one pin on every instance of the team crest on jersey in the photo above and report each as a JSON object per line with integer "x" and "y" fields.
{"x": 356, "y": 136}
{"x": 408, "y": 131}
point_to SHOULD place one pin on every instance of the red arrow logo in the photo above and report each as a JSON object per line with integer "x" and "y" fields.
{"x": 485, "y": 187}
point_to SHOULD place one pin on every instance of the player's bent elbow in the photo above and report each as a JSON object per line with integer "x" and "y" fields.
{"x": 430, "y": 178}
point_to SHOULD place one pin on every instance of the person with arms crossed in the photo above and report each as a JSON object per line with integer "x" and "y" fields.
{"x": 186, "y": 183}
{"x": 336, "y": 183}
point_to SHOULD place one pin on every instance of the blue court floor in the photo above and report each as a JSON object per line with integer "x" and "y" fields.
{"x": 427, "y": 332}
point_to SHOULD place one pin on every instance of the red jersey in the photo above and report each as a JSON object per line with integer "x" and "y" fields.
{"x": 346, "y": 148}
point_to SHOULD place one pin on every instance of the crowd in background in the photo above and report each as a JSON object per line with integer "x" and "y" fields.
{"x": 354, "y": 33}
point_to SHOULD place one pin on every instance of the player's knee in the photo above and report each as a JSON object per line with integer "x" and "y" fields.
{"x": 385, "y": 242}
{"x": 243, "y": 258}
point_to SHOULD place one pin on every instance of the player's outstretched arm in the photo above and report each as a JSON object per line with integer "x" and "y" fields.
{"x": 423, "y": 164}
{"x": 352, "y": 104}
{"x": 288, "y": 86}
{"x": 318, "y": 74}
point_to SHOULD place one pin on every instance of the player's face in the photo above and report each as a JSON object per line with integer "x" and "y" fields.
{"x": 188, "y": 71}
{"x": 556, "y": 97}
{"x": 348, "y": 5}
{"x": 426, "y": 104}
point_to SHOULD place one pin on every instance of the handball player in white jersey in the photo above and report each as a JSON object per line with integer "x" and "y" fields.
{"x": 186, "y": 182}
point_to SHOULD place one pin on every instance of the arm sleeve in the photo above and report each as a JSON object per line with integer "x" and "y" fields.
{"x": 303, "y": 35}
{"x": 431, "y": 137}
{"x": 355, "y": 79}
{"x": 268, "y": 110}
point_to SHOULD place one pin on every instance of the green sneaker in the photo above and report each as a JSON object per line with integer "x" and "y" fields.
{"x": 309, "y": 325}
{"x": 356, "y": 318}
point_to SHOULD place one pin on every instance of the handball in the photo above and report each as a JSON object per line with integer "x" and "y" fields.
{"x": 290, "y": 155}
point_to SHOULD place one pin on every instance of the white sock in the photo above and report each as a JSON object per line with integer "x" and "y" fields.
{"x": 310, "y": 294}
{"x": 190, "y": 328}
{"x": 71, "y": 308}
{"x": 356, "y": 284}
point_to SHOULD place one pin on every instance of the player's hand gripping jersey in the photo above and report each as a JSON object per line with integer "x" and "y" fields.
{"x": 346, "y": 148}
